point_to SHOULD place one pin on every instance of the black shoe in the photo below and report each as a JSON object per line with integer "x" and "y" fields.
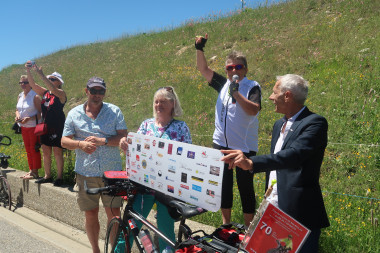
{"x": 44, "y": 180}
{"x": 58, "y": 182}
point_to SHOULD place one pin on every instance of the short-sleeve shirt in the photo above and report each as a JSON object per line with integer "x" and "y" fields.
{"x": 109, "y": 120}
{"x": 176, "y": 131}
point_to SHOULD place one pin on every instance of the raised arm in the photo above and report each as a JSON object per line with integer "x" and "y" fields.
{"x": 202, "y": 66}
{"x": 56, "y": 91}
{"x": 38, "y": 89}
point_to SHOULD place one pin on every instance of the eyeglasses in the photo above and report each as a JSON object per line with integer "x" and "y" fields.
{"x": 168, "y": 88}
{"x": 234, "y": 66}
{"x": 23, "y": 82}
{"x": 53, "y": 79}
{"x": 94, "y": 91}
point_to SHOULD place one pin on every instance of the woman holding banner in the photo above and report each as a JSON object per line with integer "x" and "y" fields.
{"x": 166, "y": 106}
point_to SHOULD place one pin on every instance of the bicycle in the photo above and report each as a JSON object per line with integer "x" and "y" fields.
{"x": 5, "y": 188}
{"x": 119, "y": 229}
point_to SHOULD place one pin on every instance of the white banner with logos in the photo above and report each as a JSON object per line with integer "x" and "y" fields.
{"x": 184, "y": 171}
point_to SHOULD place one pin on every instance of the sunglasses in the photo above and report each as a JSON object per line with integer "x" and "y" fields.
{"x": 94, "y": 91}
{"x": 23, "y": 82}
{"x": 53, "y": 79}
{"x": 234, "y": 66}
{"x": 169, "y": 89}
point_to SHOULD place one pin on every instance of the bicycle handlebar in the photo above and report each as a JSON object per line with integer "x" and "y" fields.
{"x": 6, "y": 137}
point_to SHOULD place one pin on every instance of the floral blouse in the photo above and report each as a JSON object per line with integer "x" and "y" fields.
{"x": 176, "y": 130}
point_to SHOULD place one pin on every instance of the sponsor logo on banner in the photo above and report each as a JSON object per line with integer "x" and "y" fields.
{"x": 134, "y": 171}
{"x": 138, "y": 167}
{"x": 196, "y": 188}
{"x": 199, "y": 172}
{"x": 210, "y": 193}
{"x": 152, "y": 170}
{"x": 152, "y": 183}
{"x": 170, "y": 148}
{"x": 159, "y": 173}
{"x": 160, "y": 185}
{"x": 204, "y": 154}
{"x": 143, "y": 154}
{"x": 159, "y": 154}
{"x": 185, "y": 186}
{"x": 190, "y": 154}
{"x": 172, "y": 160}
{"x": 158, "y": 163}
{"x": 147, "y": 146}
{"x": 150, "y": 157}
{"x": 137, "y": 158}
{"x": 138, "y": 148}
{"x": 154, "y": 143}
{"x": 179, "y": 150}
{"x": 198, "y": 179}
{"x": 201, "y": 164}
{"x": 133, "y": 163}
{"x": 210, "y": 203}
{"x": 129, "y": 140}
{"x": 214, "y": 170}
{"x": 171, "y": 188}
{"x": 143, "y": 164}
{"x": 138, "y": 140}
{"x": 183, "y": 177}
{"x": 146, "y": 178}
{"x": 152, "y": 177}
{"x": 169, "y": 179}
{"x": 171, "y": 169}
{"x": 161, "y": 144}
{"x": 193, "y": 197}
{"x": 213, "y": 182}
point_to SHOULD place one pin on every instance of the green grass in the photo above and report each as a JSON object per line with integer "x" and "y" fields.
{"x": 332, "y": 43}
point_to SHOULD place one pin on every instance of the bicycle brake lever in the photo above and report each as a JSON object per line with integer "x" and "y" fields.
{"x": 93, "y": 191}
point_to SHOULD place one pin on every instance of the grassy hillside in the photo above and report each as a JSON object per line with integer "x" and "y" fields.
{"x": 332, "y": 43}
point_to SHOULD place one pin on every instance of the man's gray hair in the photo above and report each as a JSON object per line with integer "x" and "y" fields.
{"x": 296, "y": 85}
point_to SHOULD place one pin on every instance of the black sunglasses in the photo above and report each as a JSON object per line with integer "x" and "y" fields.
{"x": 169, "y": 89}
{"x": 23, "y": 82}
{"x": 94, "y": 91}
{"x": 53, "y": 79}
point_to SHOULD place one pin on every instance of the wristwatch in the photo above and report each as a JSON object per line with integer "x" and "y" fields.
{"x": 105, "y": 141}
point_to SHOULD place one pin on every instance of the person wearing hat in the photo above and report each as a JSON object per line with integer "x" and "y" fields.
{"x": 94, "y": 130}
{"x": 53, "y": 101}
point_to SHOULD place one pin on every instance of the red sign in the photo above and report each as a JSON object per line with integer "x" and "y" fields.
{"x": 277, "y": 232}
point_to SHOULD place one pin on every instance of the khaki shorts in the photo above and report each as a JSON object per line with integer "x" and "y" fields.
{"x": 88, "y": 202}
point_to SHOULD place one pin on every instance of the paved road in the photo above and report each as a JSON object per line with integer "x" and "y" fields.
{"x": 24, "y": 230}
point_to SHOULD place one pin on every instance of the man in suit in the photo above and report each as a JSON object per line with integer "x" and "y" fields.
{"x": 298, "y": 143}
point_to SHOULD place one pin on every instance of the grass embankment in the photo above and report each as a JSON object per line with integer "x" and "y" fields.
{"x": 333, "y": 44}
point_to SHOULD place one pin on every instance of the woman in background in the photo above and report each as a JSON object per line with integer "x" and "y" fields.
{"x": 28, "y": 112}
{"x": 166, "y": 106}
{"x": 53, "y": 101}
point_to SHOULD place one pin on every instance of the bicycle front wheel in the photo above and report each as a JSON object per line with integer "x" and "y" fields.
{"x": 5, "y": 192}
{"x": 117, "y": 237}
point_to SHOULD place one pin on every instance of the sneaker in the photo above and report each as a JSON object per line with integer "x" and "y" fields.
{"x": 58, "y": 182}
{"x": 44, "y": 180}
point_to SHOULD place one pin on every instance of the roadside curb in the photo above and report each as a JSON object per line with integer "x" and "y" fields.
{"x": 60, "y": 203}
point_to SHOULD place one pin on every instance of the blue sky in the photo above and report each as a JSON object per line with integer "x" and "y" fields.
{"x": 33, "y": 28}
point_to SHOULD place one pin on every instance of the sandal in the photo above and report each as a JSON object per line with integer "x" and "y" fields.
{"x": 29, "y": 175}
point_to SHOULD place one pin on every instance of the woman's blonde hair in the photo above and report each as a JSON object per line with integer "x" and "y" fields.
{"x": 169, "y": 94}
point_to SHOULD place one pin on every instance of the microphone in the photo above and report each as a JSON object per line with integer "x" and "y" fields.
{"x": 234, "y": 85}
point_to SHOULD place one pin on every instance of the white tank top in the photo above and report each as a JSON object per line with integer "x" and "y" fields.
{"x": 25, "y": 106}
{"x": 234, "y": 128}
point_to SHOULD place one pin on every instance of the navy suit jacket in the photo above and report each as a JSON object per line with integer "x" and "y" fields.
{"x": 298, "y": 165}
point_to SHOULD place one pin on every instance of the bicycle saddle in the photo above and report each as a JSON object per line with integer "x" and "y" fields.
{"x": 186, "y": 210}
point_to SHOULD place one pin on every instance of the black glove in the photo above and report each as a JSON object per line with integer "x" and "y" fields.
{"x": 234, "y": 86}
{"x": 201, "y": 45}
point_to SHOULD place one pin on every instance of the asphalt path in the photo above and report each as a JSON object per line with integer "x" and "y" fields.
{"x": 24, "y": 230}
